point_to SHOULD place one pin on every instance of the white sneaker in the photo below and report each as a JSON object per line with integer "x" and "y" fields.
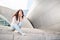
{"x": 23, "y": 34}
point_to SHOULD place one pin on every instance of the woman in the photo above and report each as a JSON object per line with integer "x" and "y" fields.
{"x": 17, "y": 21}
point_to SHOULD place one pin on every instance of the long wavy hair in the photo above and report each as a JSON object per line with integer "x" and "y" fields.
{"x": 16, "y": 14}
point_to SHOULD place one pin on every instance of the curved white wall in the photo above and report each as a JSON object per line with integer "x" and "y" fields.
{"x": 45, "y": 14}
{"x": 6, "y": 13}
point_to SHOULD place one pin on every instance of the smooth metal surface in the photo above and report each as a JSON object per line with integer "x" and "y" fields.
{"x": 45, "y": 14}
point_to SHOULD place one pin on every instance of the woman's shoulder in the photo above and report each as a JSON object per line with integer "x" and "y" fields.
{"x": 24, "y": 18}
{"x": 13, "y": 16}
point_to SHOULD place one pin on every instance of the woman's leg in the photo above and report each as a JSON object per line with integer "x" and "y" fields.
{"x": 20, "y": 24}
{"x": 18, "y": 29}
{"x": 12, "y": 28}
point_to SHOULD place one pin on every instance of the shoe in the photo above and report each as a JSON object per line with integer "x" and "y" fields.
{"x": 23, "y": 34}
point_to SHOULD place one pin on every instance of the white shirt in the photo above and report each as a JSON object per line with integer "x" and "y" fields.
{"x": 14, "y": 21}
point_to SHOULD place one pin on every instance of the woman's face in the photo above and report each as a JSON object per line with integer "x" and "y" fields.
{"x": 20, "y": 13}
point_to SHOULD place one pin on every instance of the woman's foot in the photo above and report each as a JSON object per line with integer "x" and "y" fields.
{"x": 23, "y": 34}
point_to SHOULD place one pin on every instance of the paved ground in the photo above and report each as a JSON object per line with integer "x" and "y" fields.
{"x": 31, "y": 34}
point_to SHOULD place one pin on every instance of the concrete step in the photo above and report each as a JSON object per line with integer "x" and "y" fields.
{"x": 31, "y": 34}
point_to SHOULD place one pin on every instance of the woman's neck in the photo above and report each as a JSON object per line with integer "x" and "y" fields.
{"x": 20, "y": 18}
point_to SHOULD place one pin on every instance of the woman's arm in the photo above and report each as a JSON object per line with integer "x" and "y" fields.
{"x": 13, "y": 20}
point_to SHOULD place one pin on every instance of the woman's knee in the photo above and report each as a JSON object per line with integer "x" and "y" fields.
{"x": 20, "y": 24}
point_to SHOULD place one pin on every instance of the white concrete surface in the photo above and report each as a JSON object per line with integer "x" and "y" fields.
{"x": 31, "y": 34}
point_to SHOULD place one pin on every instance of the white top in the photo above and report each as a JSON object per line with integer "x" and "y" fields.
{"x": 14, "y": 21}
